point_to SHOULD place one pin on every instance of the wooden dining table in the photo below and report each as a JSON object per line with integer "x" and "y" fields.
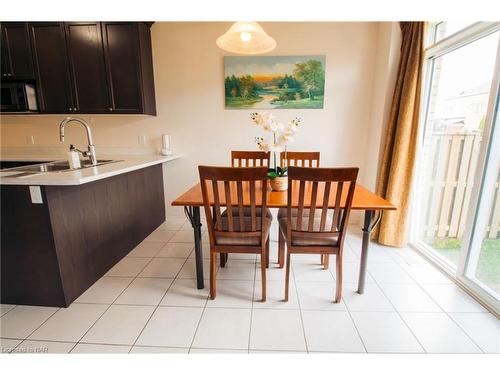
{"x": 363, "y": 200}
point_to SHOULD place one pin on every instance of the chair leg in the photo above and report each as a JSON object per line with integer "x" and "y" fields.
{"x": 322, "y": 259}
{"x": 268, "y": 246}
{"x": 213, "y": 262}
{"x": 338, "y": 296}
{"x": 281, "y": 250}
{"x": 326, "y": 261}
{"x": 223, "y": 259}
{"x": 287, "y": 275}
{"x": 263, "y": 266}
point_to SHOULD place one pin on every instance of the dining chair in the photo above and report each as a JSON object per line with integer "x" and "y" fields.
{"x": 235, "y": 188}
{"x": 319, "y": 188}
{"x": 299, "y": 159}
{"x": 296, "y": 159}
{"x": 250, "y": 159}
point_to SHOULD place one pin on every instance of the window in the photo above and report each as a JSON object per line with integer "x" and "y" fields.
{"x": 444, "y": 29}
{"x": 457, "y": 200}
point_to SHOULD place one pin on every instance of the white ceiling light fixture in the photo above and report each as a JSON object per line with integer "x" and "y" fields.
{"x": 247, "y": 38}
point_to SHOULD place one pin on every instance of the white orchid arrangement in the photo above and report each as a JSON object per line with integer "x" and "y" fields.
{"x": 281, "y": 135}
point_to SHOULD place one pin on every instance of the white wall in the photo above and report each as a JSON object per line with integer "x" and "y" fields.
{"x": 189, "y": 82}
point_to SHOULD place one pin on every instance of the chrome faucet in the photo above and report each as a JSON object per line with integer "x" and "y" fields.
{"x": 90, "y": 153}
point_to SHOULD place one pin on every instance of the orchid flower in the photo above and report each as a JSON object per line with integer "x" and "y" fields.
{"x": 281, "y": 135}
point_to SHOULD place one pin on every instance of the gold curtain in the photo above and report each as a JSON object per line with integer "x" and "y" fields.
{"x": 396, "y": 171}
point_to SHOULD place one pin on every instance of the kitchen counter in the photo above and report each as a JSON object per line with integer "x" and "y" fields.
{"x": 81, "y": 176}
{"x": 62, "y": 231}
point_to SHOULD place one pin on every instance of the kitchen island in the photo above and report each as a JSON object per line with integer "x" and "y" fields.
{"x": 62, "y": 231}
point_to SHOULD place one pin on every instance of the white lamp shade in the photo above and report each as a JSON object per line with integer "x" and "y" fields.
{"x": 247, "y": 38}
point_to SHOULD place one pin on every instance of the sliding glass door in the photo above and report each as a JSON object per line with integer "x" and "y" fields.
{"x": 481, "y": 262}
{"x": 457, "y": 210}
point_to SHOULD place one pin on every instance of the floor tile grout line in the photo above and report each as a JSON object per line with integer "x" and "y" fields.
{"x": 159, "y": 302}
{"x": 298, "y": 302}
{"x": 465, "y": 332}
{"x": 206, "y": 300}
{"x": 199, "y": 322}
{"x": 449, "y": 316}
{"x": 436, "y": 302}
{"x": 376, "y": 282}
{"x": 400, "y": 316}
{"x": 354, "y": 322}
{"x": 26, "y": 338}
{"x": 357, "y": 330}
{"x": 8, "y": 310}
{"x": 104, "y": 312}
{"x": 119, "y": 295}
{"x": 253, "y": 299}
{"x": 197, "y": 327}
{"x": 100, "y": 316}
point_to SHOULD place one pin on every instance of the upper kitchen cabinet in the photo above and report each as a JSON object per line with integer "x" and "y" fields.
{"x": 87, "y": 67}
{"x": 52, "y": 73}
{"x": 129, "y": 63}
{"x": 17, "y": 62}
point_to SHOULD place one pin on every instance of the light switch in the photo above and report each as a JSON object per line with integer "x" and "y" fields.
{"x": 36, "y": 194}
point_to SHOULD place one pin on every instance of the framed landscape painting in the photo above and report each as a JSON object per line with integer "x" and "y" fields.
{"x": 269, "y": 82}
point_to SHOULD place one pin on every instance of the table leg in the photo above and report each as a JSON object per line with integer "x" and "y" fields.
{"x": 193, "y": 215}
{"x": 368, "y": 227}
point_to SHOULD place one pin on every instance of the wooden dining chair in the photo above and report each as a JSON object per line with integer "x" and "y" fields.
{"x": 319, "y": 188}
{"x": 250, "y": 159}
{"x": 299, "y": 159}
{"x": 235, "y": 188}
{"x": 296, "y": 159}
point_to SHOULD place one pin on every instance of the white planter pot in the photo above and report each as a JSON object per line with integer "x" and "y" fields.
{"x": 279, "y": 183}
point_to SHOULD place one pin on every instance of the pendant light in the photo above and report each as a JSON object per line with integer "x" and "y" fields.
{"x": 247, "y": 38}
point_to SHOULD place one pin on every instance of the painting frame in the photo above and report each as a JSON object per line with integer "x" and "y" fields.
{"x": 274, "y": 82}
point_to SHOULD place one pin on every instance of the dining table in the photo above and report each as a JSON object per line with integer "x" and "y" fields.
{"x": 363, "y": 200}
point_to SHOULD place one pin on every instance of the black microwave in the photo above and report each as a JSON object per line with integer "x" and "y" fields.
{"x": 18, "y": 97}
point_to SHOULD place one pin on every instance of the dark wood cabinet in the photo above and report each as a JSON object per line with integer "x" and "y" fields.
{"x": 127, "y": 47}
{"x": 51, "y": 67}
{"x": 52, "y": 252}
{"x": 17, "y": 62}
{"x": 86, "y": 67}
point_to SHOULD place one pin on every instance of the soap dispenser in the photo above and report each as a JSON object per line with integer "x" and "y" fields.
{"x": 74, "y": 158}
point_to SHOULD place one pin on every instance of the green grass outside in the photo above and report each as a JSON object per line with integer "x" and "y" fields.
{"x": 488, "y": 268}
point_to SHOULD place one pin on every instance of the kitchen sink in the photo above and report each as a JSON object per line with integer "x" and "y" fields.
{"x": 56, "y": 166}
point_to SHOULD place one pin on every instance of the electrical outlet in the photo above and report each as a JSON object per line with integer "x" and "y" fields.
{"x": 30, "y": 140}
{"x": 142, "y": 139}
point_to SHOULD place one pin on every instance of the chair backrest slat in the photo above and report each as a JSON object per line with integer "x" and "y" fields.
{"x": 241, "y": 213}
{"x": 250, "y": 158}
{"x": 229, "y": 205}
{"x": 336, "y": 212}
{"x": 237, "y": 195}
{"x": 253, "y": 209}
{"x": 316, "y": 181}
{"x": 314, "y": 197}
{"x": 324, "y": 210}
{"x": 215, "y": 189}
{"x": 300, "y": 209}
{"x": 299, "y": 159}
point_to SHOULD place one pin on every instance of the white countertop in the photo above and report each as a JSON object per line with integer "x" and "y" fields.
{"x": 80, "y": 176}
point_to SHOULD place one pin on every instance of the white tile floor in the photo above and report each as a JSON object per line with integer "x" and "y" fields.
{"x": 148, "y": 303}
